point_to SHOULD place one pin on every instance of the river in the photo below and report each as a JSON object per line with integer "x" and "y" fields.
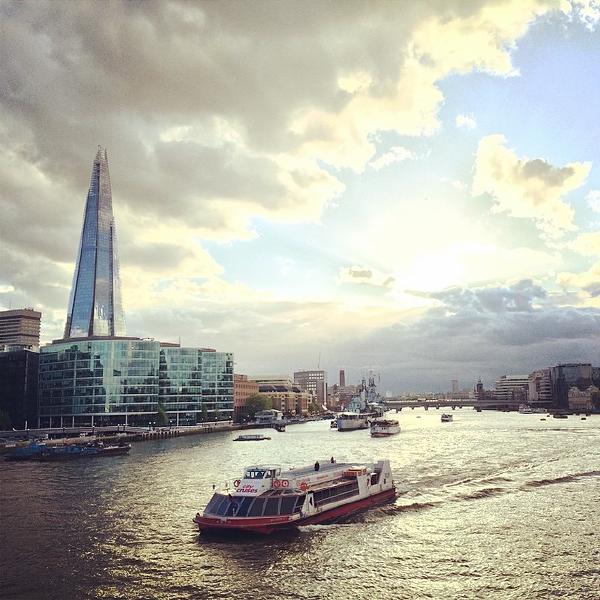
{"x": 493, "y": 505}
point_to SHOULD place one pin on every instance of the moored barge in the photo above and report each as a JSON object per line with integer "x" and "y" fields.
{"x": 268, "y": 499}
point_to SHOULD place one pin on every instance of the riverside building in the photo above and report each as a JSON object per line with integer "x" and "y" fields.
{"x": 313, "y": 381}
{"x": 97, "y": 375}
{"x": 20, "y": 329}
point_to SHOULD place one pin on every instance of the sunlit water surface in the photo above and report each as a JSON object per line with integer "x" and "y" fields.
{"x": 493, "y": 505}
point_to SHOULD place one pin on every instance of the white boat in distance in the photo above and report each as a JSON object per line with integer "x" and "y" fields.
{"x": 350, "y": 421}
{"x": 384, "y": 427}
{"x": 447, "y": 418}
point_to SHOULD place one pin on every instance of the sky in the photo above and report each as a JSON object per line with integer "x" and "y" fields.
{"x": 411, "y": 188}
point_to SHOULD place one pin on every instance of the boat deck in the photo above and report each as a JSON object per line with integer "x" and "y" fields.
{"x": 324, "y": 467}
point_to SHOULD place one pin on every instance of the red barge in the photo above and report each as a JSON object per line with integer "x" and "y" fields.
{"x": 268, "y": 499}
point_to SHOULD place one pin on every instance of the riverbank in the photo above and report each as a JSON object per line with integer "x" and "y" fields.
{"x": 129, "y": 434}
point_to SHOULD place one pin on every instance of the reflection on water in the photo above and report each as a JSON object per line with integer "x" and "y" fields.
{"x": 493, "y": 505}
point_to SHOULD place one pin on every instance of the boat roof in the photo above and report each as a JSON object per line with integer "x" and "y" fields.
{"x": 262, "y": 467}
{"x": 323, "y": 466}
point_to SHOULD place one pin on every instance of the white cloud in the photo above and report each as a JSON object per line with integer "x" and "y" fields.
{"x": 587, "y": 244}
{"x": 527, "y": 188}
{"x": 466, "y": 121}
{"x": 593, "y": 198}
{"x": 587, "y": 11}
{"x": 394, "y": 154}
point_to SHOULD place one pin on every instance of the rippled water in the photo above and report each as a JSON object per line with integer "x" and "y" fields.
{"x": 493, "y": 505}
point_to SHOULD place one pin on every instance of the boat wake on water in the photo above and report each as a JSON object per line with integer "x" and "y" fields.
{"x": 563, "y": 479}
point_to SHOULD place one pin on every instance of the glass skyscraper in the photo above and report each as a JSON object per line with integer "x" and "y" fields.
{"x": 95, "y": 303}
{"x": 97, "y": 376}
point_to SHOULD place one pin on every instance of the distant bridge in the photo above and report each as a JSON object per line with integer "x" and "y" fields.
{"x": 452, "y": 403}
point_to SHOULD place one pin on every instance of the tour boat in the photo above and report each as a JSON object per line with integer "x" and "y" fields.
{"x": 447, "y": 418}
{"x": 350, "y": 421}
{"x": 384, "y": 427}
{"x": 268, "y": 499}
{"x": 251, "y": 437}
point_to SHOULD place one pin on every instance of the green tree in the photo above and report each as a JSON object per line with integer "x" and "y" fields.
{"x": 314, "y": 408}
{"x": 255, "y": 403}
{"x": 162, "y": 419}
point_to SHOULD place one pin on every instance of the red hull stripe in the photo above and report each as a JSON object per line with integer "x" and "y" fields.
{"x": 270, "y": 524}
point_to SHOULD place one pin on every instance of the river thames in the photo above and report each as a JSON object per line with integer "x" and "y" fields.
{"x": 493, "y": 505}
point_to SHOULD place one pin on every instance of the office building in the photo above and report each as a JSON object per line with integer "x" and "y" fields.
{"x": 20, "y": 329}
{"x": 540, "y": 388}
{"x": 342, "y": 378}
{"x": 564, "y": 377}
{"x": 95, "y": 307}
{"x": 288, "y": 398}
{"x": 243, "y": 388}
{"x": 314, "y": 382}
{"x": 512, "y": 389}
{"x": 584, "y": 400}
{"x": 18, "y": 389}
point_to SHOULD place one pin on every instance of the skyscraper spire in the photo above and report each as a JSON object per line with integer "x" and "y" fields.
{"x": 95, "y": 307}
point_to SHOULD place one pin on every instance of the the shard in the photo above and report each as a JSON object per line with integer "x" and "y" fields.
{"x": 95, "y": 307}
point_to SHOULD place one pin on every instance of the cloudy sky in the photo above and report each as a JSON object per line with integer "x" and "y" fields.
{"x": 408, "y": 187}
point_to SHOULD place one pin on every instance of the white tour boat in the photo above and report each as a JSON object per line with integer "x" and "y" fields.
{"x": 446, "y": 418}
{"x": 268, "y": 499}
{"x": 384, "y": 427}
{"x": 251, "y": 437}
{"x": 350, "y": 421}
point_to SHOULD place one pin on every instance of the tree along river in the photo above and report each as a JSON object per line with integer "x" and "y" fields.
{"x": 493, "y": 505}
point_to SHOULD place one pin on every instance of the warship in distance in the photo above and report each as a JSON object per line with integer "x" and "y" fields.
{"x": 366, "y": 405}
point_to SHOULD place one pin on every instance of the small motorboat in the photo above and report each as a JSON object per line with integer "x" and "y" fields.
{"x": 384, "y": 427}
{"x": 251, "y": 437}
{"x": 446, "y": 418}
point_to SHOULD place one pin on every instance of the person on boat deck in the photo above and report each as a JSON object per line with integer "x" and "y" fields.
{"x": 317, "y": 466}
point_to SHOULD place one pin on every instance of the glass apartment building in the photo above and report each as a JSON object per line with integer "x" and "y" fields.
{"x": 98, "y": 382}
{"x": 196, "y": 384}
{"x": 120, "y": 381}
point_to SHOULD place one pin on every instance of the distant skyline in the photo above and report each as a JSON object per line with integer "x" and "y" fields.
{"x": 412, "y": 188}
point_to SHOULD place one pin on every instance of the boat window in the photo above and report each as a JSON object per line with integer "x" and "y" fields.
{"x": 222, "y": 510}
{"x": 272, "y": 507}
{"x": 257, "y": 508}
{"x": 287, "y": 505}
{"x": 299, "y": 503}
{"x": 244, "y": 506}
{"x": 213, "y": 506}
{"x": 255, "y": 474}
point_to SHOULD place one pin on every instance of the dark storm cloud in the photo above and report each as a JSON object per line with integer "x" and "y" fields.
{"x": 477, "y": 332}
{"x": 515, "y": 298}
